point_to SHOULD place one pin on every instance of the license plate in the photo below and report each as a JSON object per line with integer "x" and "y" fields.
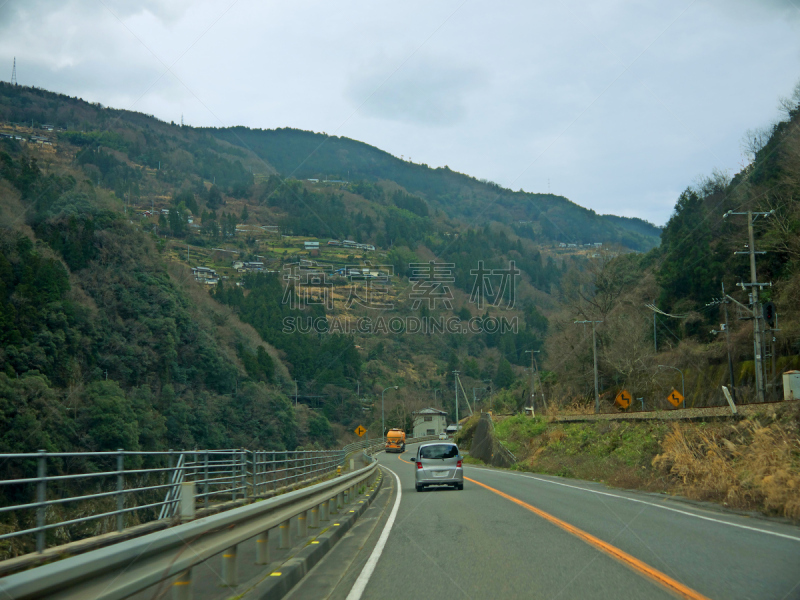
{"x": 440, "y": 473}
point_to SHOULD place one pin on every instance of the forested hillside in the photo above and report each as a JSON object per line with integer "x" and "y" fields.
{"x": 110, "y": 340}
{"x": 304, "y": 154}
{"x": 704, "y": 247}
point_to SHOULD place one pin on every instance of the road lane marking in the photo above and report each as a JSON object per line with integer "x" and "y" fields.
{"x": 622, "y": 556}
{"x": 372, "y": 561}
{"x": 653, "y": 504}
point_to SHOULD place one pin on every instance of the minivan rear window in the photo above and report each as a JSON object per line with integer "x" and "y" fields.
{"x": 439, "y": 451}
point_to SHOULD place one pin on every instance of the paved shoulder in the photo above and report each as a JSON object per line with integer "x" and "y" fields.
{"x": 333, "y": 577}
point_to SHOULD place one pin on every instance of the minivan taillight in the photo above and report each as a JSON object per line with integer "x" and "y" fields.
{"x": 419, "y": 465}
{"x": 458, "y": 464}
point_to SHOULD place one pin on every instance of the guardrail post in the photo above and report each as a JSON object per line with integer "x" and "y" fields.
{"x": 340, "y": 499}
{"x": 243, "y": 476}
{"x": 229, "y": 564}
{"x": 323, "y": 511}
{"x": 170, "y": 480}
{"x": 205, "y": 482}
{"x": 333, "y": 505}
{"x": 302, "y": 524}
{"x": 41, "y": 497}
{"x": 284, "y": 529}
{"x": 187, "y": 501}
{"x": 257, "y": 475}
{"x": 120, "y": 488}
{"x": 254, "y": 474}
{"x": 182, "y": 587}
{"x": 315, "y": 517}
{"x": 262, "y": 548}
{"x": 234, "y": 458}
{"x": 274, "y": 469}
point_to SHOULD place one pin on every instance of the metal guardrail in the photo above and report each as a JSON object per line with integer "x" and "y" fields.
{"x": 124, "y": 492}
{"x": 129, "y": 567}
{"x": 118, "y": 490}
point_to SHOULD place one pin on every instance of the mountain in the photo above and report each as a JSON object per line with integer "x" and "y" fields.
{"x": 305, "y": 155}
{"x": 109, "y": 339}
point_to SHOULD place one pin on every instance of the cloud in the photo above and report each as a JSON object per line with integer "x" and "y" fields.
{"x": 424, "y": 92}
{"x": 34, "y": 10}
{"x": 757, "y": 9}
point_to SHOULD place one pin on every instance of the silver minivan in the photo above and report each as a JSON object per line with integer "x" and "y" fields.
{"x": 438, "y": 464}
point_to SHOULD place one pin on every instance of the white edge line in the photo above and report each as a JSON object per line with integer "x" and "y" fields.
{"x": 372, "y": 561}
{"x": 661, "y": 506}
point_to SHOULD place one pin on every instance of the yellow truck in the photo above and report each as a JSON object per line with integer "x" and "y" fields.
{"x": 395, "y": 441}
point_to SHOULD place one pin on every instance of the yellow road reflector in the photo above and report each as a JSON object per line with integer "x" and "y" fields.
{"x": 352, "y": 511}
{"x": 275, "y": 574}
{"x": 335, "y": 524}
{"x": 315, "y": 542}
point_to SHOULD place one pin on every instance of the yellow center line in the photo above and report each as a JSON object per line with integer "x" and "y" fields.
{"x": 620, "y": 555}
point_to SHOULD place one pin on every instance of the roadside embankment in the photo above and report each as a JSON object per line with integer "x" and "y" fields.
{"x": 751, "y": 462}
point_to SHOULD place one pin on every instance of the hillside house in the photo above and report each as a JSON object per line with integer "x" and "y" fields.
{"x": 429, "y": 421}
{"x": 205, "y": 275}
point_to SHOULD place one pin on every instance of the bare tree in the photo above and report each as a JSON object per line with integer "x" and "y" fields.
{"x": 789, "y": 104}
{"x": 754, "y": 140}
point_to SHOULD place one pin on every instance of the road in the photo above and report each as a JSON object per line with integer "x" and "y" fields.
{"x": 514, "y": 535}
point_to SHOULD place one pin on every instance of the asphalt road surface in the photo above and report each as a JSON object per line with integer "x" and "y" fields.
{"x": 512, "y": 535}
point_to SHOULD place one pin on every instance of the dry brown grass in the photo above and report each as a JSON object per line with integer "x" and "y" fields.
{"x": 746, "y": 465}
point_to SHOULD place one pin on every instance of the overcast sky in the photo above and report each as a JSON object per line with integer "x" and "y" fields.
{"x": 619, "y": 105}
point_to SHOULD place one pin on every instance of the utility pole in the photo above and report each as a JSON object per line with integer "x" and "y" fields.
{"x": 533, "y": 410}
{"x": 455, "y": 383}
{"x": 383, "y": 418}
{"x": 295, "y": 393}
{"x": 728, "y": 343}
{"x": 539, "y": 379}
{"x": 655, "y": 333}
{"x": 754, "y": 303}
{"x": 594, "y": 349}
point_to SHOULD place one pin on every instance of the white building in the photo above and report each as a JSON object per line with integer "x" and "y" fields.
{"x": 429, "y": 421}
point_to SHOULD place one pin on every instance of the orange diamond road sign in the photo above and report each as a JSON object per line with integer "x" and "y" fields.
{"x": 623, "y": 399}
{"x": 675, "y": 398}
{"x": 360, "y": 431}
